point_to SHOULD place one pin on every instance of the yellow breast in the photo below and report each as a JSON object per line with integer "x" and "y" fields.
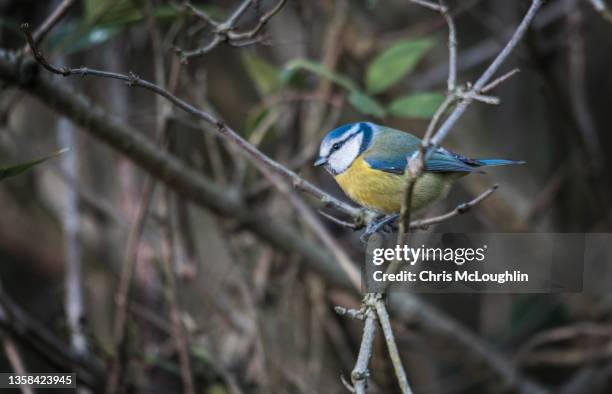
{"x": 384, "y": 191}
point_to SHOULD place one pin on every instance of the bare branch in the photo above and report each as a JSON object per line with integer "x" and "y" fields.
{"x": 360, "y": 373}
{"x": 202, "y": 15}
{"x": 236, "y": 36}
{"x": 53, "y": 19}
{"x": 224, "y": 31}
{"x": 459, "y": 210}
{"x": 385, "y": 323}
{"x": 452, "y": 48}
{"x": 492, "y": 85}
{"x": 430, "y": 5}
{"x": 339, "y": 222}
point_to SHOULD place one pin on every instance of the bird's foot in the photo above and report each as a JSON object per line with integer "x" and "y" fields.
{"x": 382, "y": 224}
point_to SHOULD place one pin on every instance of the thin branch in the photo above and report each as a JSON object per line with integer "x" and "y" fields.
{"x": 53, "y": 19}
{"x": 430, "y": 5}
{"x": 339, "y": 222}
{"x": 200, "y": 14}
{"x": 224, "y": 31}
{"x": 360, "y": 373}
{"x": 492, "y": 85}
{"x": 459, "y": 210}
{"x": 385, "y": 323}
{"x": 452, "y": 47}
{"x": 260, "y": 24}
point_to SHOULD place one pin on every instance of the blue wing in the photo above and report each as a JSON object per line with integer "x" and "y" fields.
{"x": 439, "y": 161}
{"x": 392, "y": 148}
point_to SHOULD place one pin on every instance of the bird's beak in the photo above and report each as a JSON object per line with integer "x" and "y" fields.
{"x": 320, "y": 161}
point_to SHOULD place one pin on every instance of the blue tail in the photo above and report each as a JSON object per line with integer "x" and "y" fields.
{"x": 497, "y": 162}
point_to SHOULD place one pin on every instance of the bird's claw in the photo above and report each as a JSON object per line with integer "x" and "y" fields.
{"x": 383, "y": 224}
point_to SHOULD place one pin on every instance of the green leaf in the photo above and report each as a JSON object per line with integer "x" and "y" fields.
{"x": 417, "y": 105}
{"x": 395, "y": 63}
{"x": 358, "y": 99}
{"x": 265, "y": 76}
{"x": 301, "y": 64}
{"x": 21, "y": 168}
{"x": 366, "y": 104}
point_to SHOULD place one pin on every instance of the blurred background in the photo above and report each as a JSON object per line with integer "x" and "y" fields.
{"x": 108, "y": 272}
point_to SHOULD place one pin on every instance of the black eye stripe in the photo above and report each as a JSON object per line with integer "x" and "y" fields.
{"x": 342, "y": 142}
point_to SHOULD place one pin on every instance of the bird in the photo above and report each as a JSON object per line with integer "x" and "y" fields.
{"x": 368, "y": 161}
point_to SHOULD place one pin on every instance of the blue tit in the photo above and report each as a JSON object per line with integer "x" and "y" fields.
{"x": 368, "y": 161}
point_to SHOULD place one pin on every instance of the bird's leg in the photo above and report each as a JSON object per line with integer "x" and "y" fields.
{"x": 382, "y": 223}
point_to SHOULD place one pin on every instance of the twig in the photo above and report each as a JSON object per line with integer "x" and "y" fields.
{"x": 452, "y": 47}
{"x": 492, "y": 85}
{"x": 235, "y": 36}
{"x": 360, "y": 372}
{"x": 459, "y": 210}
{"x": 430, "y": 5}
{"x": 385, "y": 323}
{"x": 57, "y": 15}
{"x": 250, "y": 151}
{"x": 339, "y": 222}
{"x": 224, "y": 31}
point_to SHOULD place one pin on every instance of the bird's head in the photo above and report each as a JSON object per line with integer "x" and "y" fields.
{"x": 343, "y": 145}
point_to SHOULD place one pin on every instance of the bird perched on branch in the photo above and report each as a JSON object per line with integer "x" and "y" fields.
{"x": 369, "y": 163}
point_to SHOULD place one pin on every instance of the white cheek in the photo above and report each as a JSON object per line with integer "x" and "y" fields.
{"x": 340, "y": 160}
